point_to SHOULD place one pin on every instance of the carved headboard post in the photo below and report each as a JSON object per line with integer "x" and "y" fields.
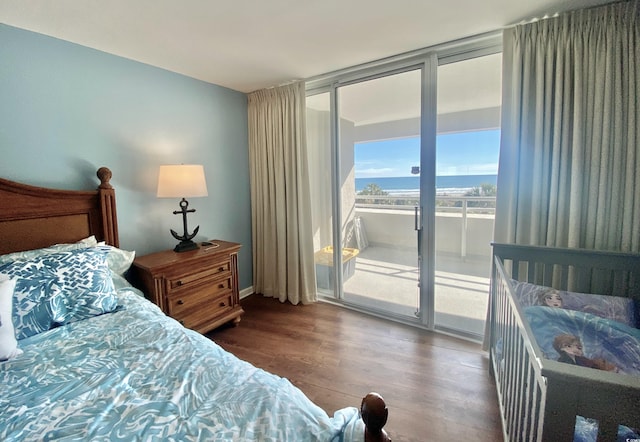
{"x": 108, "y": 203}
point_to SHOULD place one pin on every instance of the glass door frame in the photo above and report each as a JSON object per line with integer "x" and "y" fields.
{"x": 428, "y": 61}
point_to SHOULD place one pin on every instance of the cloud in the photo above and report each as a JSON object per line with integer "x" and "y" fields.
{"x": 375, "y": 172}
{"x": 467, "y": 169}
{"x": 483, "y": 169}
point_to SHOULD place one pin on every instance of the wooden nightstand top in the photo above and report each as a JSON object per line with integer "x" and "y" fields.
{"x": 171, "y": 258}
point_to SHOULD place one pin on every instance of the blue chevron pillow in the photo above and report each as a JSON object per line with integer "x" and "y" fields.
{"x": 60, "y": 288}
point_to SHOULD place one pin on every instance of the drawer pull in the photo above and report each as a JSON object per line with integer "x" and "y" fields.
{"x": 222, "y": 304}
{"x": 178, "y": 283}
{"x": 221, "y": 269}
{"x": 220, "y": 286}
{"x": 180, "y": 302}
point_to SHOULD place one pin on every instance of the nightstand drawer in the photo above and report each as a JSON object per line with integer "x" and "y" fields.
{"x": 185, "y": 281}
{"x": 182, "y": 301}
{"x": 215, "y": 307}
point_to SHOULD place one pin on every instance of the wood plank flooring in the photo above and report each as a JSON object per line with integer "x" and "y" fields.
{"x": 437, "y": 388}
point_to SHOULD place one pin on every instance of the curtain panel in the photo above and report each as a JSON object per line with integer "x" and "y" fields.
{"x": 570, "y": 156}
{"x": 283, "y": 261}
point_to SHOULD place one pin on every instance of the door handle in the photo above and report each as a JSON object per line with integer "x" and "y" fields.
{"x": 418, "y": 228}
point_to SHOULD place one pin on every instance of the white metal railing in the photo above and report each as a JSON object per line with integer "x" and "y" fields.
{"x": 444, "y": 203}
{"x": 460, "y": 205}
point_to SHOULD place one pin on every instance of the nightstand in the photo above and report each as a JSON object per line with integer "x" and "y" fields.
{"x": 198, "y": 288}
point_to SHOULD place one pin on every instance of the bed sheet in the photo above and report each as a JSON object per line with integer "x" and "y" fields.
{"x": 136, "y": 374}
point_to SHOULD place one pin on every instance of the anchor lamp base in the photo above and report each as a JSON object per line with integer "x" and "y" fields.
{"x": 185, "y": 246}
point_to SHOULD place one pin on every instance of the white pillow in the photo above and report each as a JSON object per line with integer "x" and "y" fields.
{"x": 8, "y": 344}
{"x": 118, "y": 260}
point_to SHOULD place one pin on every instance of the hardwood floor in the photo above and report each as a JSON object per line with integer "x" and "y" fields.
{"x": 437, "y": 388}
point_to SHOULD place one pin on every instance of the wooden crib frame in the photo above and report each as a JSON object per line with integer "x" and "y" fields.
{"x": 540, "y": 398}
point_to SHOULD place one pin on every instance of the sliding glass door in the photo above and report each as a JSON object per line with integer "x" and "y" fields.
{"x": 403, "y": 171}
{"x": 379, "y": 143}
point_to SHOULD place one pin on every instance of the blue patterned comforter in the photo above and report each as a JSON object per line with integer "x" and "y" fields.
{"x": 136, "y": 374}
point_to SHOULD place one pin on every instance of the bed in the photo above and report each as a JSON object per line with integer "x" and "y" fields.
{"x": 84, "y": 356}
{"x": 564, "y": 343}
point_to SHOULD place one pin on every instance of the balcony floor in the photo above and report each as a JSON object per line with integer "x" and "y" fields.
{"x": 385, "y": 279}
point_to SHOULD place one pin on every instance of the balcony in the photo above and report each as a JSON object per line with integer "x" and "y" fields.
{"x": 386, "y": 268}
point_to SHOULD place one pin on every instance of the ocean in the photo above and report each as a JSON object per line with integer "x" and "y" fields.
{"x": 408, "y": 185}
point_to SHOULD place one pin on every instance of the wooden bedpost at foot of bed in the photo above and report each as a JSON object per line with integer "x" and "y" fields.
{"x": 374, "y": 414}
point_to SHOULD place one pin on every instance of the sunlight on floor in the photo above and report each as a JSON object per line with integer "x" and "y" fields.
{"x": 387, "y": 279}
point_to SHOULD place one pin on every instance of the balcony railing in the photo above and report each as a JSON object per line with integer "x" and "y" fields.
{"x": 444, "y": 203}
{"x": 464, "y": 223}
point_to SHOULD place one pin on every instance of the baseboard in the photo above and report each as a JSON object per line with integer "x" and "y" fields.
{"x": 246, "y": 292}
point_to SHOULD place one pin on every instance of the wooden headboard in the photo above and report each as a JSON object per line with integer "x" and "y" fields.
{"x": 33, "y": 217}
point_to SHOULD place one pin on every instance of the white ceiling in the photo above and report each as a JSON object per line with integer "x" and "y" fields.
{"x": 247, "y": 45}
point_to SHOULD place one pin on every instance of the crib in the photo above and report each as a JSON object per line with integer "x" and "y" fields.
{"x": 540, "y": 398}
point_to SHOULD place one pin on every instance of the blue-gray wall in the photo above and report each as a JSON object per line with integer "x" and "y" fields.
{"x": 66, "y": 110}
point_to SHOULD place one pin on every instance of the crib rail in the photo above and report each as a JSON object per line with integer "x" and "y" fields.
{"x": 539, "y": 398}
{"x": 516, "y": 366}
{"x": 579, "y": 270}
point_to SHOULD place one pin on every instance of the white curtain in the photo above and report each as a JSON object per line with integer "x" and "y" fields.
{"x": 283, "y": 261}
{"x": 569, "y": 173}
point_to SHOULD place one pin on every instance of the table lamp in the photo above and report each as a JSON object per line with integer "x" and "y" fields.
{"x": 182, "y": 181}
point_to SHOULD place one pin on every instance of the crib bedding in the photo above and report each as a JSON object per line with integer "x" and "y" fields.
{"x": 604, "y": 326}
{"x": 601, "y": 339}
{"x": 543, "y": 398}
{"x": 136, "y": 374}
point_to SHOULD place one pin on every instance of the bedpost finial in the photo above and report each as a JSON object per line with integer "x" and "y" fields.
{"x": 374, "y": 414}
{"x": 104, "y": 174}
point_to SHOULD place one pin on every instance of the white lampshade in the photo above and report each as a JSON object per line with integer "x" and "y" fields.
{"x": 181, "y": 181}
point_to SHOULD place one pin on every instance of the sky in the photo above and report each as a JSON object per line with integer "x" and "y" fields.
{"x": 464, "y": 153}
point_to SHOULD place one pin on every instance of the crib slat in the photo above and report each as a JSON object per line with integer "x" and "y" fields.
{"x": 548, "y": 275}
{"x": 582, "y": 278}
{"x": 519, "y": 399}
{"x": 528, "y": 399}
{"x": 564, "y": 277}
{"x": 515, "y": 269}
{"x": 620, "y": 282}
